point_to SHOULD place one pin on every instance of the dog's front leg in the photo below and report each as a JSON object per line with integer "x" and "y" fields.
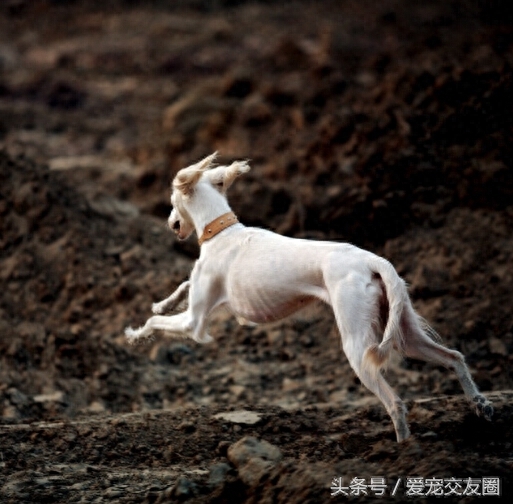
{"x": 192, "y": 323}
{"x": 182, "y": 325}
{"x": 201, "y": 303}
{"x": 179, "y": 325}
{"x": 173, "y": 300}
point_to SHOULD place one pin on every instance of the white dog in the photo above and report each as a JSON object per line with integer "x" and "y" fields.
{"x": 262, "y": 277}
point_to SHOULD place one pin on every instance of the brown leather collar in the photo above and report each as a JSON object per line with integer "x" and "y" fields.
{"x": 217, "y": 225}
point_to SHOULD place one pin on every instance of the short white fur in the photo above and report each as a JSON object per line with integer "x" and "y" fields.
{"x": 261, "y": 277}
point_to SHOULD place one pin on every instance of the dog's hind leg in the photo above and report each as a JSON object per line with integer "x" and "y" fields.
{"x": 355, "y": 302}
{"x": 376, "y": 383}
{"x": 418, "y": 345}
{"x": 173, "y": 300}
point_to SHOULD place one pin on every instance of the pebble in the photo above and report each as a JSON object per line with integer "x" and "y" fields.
{"x": 240, "y": 417}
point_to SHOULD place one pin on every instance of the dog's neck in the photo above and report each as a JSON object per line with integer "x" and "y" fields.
{"x": 207, "y": 209}
{"x": 217, "y": 225}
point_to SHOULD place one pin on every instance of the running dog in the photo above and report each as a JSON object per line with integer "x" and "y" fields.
{"x": 263, "y": 277}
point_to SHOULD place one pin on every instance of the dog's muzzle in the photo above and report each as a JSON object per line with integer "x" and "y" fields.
{"x": 175, "y": 227}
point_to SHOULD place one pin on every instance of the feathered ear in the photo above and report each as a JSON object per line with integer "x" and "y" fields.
{"x": 233, "y": 171}
{"x": 187, "y": 178}
{"x": 206, "y": 163}
{"x": 223, "y": 176}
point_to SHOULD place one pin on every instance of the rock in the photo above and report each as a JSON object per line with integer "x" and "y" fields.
{"x": 249, "y": 448}
{"x": 218, "y": 474}
{"x": 56, "y": 396}
{"x": 237, "y": 390}
{"x": 183, "y": 489}
{"x": 96, "y": 407}
{"x": 239, "y": 417}
{"x": 253, "y": 458}
{"x": 254, "y": 471}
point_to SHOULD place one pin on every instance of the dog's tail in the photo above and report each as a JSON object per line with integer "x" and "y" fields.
{"x": 376, "y": 356}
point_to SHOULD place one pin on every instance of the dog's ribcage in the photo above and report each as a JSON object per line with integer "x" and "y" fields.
{"x": 267, "y": 276}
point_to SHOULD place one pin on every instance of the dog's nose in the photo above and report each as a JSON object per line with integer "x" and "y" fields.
{"x": 175, "y": 226}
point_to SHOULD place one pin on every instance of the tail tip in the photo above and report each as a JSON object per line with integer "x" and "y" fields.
{"x": 375, "y": 355}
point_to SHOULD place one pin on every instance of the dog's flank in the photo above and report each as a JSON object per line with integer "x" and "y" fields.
{"x": 262, "y": 277}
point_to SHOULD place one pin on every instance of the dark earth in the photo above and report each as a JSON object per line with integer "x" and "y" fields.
{"x": 386, "y": 124}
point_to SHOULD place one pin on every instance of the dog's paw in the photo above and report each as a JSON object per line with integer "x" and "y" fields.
{"x": 132, "y": 335}
{"x": 158, "y": 308}
{"x": 484, "y": 407}
{"x": 204, "y": 338}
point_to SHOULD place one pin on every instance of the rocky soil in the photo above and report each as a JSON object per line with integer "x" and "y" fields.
{"x": 386, "y": 124}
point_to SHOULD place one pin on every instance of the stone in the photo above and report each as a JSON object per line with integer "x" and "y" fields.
{"x": 184, "y": 489}
{"x": 56, "y": 396}
{"x": 239, "y": 417}
{"x": 218, "y": 473}
{"x": 249, "y": 447}
{"x": 253, "y": 458}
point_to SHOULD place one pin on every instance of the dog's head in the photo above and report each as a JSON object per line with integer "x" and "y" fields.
{"x": 201, "y": 186}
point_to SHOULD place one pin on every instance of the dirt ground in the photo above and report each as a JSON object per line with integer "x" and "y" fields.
{"x": 386, "y": 124}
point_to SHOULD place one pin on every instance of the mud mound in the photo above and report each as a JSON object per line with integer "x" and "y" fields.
{"x": 70, "y": 270}
{"x": 204, "y": 455}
